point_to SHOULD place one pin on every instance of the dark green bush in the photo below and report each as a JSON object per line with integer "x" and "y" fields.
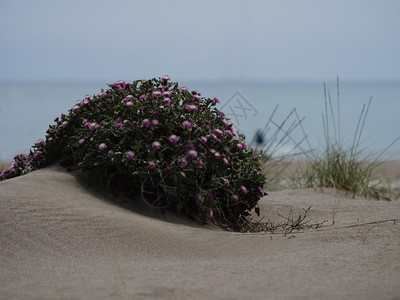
{"x": 158, "y": 140}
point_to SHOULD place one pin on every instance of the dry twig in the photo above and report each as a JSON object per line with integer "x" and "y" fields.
{"x": 290, "y": 224}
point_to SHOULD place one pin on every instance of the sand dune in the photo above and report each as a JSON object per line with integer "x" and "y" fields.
{"x": 59, "y": 239}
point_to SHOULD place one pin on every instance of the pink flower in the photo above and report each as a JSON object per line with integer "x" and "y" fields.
{"x": 191, "y": 107}
{"x": 259, "y": 170}
{"x": 217, "y": 154}
{"x": 110, "y": 154}
{"x": 151, "y": 165}
{"x": 218, "y": 132}
{"x": 200, "y": 163}
{"x": 183, "y": 89}
{"x": 214, "y": 137}
{"x": 120, "y": 85}
{"x": 156, "y": 145}
{"x": 228, "y": 132}
{"x": 157, "y": 94}
{"x": 64, "y": 124}
{"x": 225, "y": 122}
{"x": 167, "y": 100}
{"x": 243, "y": 189}
{"x": 198, "y": 198}
{"x": 203, "y": 139}
{"x": 186, "y": 124}
{"x": 75, "y": 108}
{"x": 102, "y": 146}
{"x": 235, "y": 198}
{"x": 128, "y": 100}
{"x": 155, "y": 123}
{"x": 166, "y": 78}
{"x": 225, "y": 161}
{"x": 81, "y": 141}
{"x": 146, "y": 122}
{"x": 39, "y": 143}
{"x": 261, "y": 191}
{"x": 120, "y": 124}
{"x": 209, "y": 213}
{"x": 197, "y": 97}
{"x": 130, "y": 154}
{"x": 192, "y": 153}
{"x": 167, "y": 93}
{"x": 36, "y": 155}
{"x": 241, "y": 145}
{"x": 173, "y": 138}
{"x": 143, "y": 97}
{"x": 216, "y": 100}
{"x": 182, "y": 162}
{"x": 92, "y": 126}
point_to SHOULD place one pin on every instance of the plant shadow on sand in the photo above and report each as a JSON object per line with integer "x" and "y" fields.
{"x": 133, "y": 203}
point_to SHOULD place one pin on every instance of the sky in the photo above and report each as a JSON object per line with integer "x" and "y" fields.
{"x": 204, "y": 40}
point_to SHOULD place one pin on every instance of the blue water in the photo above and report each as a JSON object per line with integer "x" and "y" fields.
{"x": 26, "y": 110}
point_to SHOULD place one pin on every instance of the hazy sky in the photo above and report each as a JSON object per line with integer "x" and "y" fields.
{"x": 200, "y": 40}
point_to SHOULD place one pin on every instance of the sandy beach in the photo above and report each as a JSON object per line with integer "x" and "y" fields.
{"x": 60, "y": 239}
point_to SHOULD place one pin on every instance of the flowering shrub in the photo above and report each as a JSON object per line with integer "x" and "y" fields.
{"x": 158, "y": 140}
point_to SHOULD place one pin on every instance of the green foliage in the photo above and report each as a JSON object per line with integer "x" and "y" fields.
{"x": 156, "y": 139}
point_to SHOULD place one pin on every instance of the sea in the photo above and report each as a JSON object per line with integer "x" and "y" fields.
{"x": 289, "y": 118}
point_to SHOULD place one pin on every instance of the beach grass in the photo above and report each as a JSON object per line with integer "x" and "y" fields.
{"x": 340, "y": 166}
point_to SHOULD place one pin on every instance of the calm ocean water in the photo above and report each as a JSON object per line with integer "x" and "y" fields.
{"x": 26, "y": 110}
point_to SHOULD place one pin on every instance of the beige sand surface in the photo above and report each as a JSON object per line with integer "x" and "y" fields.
{"x": 61, "y": 240}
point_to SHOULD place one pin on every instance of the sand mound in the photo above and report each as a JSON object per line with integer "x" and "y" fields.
{"x": 60, "y": 240}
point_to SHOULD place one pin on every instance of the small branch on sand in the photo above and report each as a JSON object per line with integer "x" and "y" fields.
{"x": 290, "y": 224}
{"x": 299, "y": 224}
